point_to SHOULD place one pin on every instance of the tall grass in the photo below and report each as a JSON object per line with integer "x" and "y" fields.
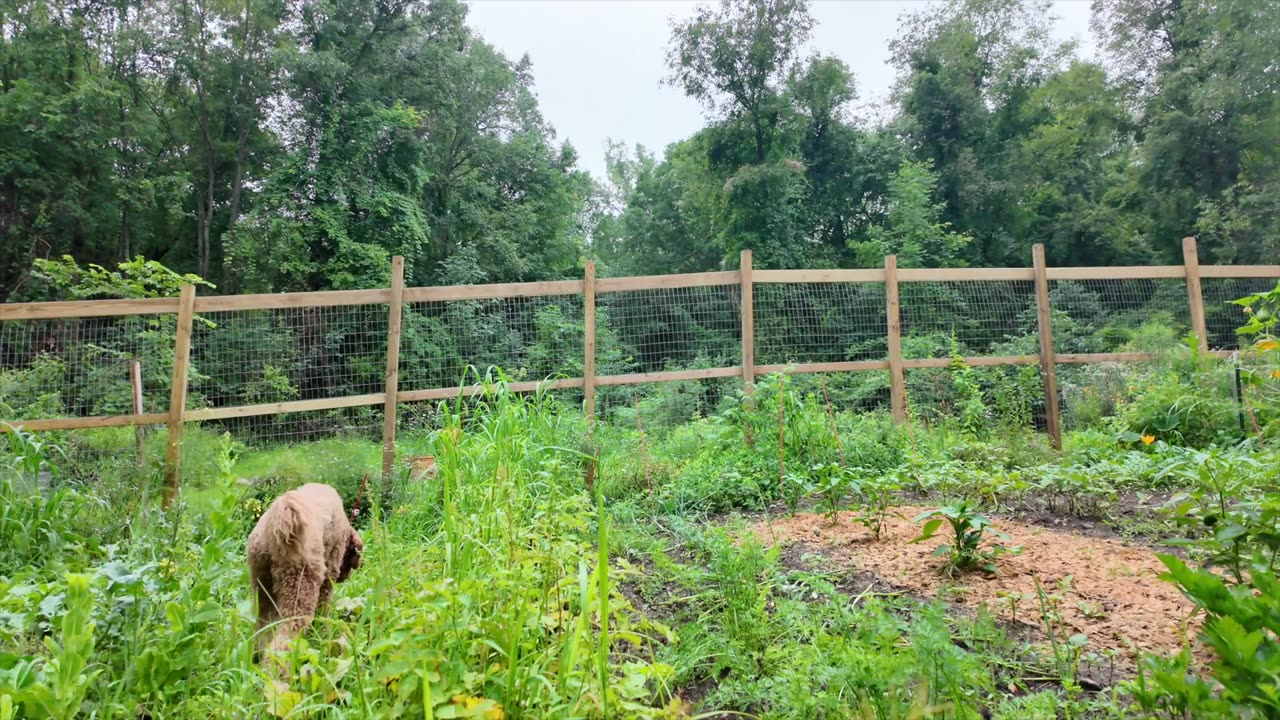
{"x": 485, "y": 593}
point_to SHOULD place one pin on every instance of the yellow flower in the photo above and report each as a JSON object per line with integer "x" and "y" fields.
{"x": 1148, "y": 439}
{"x": 1275, "y": 374}
{"x": 479, "y": 707}
{"x": 1267, "y": 345}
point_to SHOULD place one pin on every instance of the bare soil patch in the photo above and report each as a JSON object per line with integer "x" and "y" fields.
{"x": 1114, "y": 598}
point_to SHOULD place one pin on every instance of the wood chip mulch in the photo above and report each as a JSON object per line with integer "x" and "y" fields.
{"x": 1114, "y": 596}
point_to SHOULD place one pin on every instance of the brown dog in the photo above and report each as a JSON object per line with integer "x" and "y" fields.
{"x": 300, "y": 547}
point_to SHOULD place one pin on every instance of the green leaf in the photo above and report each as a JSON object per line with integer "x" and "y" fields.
{"x": 929, "y": 530}
{"x": 1228, "y": 533}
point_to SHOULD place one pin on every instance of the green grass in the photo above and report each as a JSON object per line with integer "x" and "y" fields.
{"x": 482, "y": 593}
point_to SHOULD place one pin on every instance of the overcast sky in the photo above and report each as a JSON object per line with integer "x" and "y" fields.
{"x": 598, "y": 64}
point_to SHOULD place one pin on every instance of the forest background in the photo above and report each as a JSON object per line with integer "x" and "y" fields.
{"x": 284, "y": 145}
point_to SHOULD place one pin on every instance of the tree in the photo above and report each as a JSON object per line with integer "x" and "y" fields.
{"x": 1078, "y": 152}
{"x": 668, "y": 214}
{"x": 78, "y": 171}
{"x": 913, "y": 231}
{"x": 220, "y": 80}
{"x": 847, "y": 168}
{"x": 1207, "y": 99}
{"x": 736, "y": 57}
{"x": 966, "y": 70}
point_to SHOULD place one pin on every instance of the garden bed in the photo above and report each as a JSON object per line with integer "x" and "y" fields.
{"x": 1114, "y": 597}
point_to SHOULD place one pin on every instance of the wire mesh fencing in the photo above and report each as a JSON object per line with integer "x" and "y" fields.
{"x": 530, "y": 338}
{"x": 819, "y": 322}
{"x": 1115, "y": 315}
{"x": 1118, "y": 315}
{"x": 942, "y": 320}
{"x": 447, "y": 345}
{"x": 1222, "y": 317}
{"x": 256, "y": 357}
{"x": 667, "y": 329}
{"x": 83, "y": 368}
{"x": 980, "y": 317}
{"x": 80, "y": 367}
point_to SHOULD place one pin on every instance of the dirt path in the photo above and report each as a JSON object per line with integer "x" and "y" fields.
{"x": 1114, "y": 597}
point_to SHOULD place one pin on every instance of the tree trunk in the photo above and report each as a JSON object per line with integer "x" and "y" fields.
{"x": 205, "y": 221}
{"x": 125, "y": 249}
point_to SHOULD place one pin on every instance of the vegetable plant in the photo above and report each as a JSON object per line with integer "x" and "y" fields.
{"x": 1242, "y": 622}
{"x": 795, "y": 487}
{"x": 1229, "y": 519}
{"x": 872, "y": 500}
{"x": 968, "y": 548}
{"x": 831, "y": 484}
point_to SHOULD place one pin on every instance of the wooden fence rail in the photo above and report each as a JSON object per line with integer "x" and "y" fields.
{"x": 188, "y": 305}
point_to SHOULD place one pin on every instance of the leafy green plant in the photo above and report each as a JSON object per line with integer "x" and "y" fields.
{"x": 873, "y": 498}
{"x": 1241, "y": 627}
{"x": 796, "y": 486}
{"x": 28, "y": 455}
{"x": 1067, "y": 647}
{"x": 1230, "y": 520}
{"x": 831, "y": 484}
{"x": 969, "y": 548}
{"x": 55, "y": 687}
{"x": 1189, "y": 405}
{"x": 1261, "y": 373}
{"x": 971, "y": 411}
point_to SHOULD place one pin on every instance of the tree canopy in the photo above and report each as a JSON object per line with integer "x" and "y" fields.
{"x": 271, "y": 145}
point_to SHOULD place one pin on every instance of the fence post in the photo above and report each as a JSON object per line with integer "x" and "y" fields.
{"x": 1048, "y": 364}
{"x": 589, "y": 345}
{"x": 897, "y": 379}
{"x": 394, "y": 305}
{"x": 748, "y": 323}
{"x": 1195, "y": 298}
{"x": 178, "y": 393}
{"x": 135, "y": 378}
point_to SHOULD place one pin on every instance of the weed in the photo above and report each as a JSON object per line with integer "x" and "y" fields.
{"x": 1067, "y": 648}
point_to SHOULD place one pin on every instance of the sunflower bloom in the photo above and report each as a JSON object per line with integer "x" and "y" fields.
{"x": 1148, "y": 439}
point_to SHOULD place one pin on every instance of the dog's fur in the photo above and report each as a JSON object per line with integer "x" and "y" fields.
{"x": 301, "y": 546}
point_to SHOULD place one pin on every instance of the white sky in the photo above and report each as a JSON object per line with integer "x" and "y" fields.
{"x": 597, "y": 64}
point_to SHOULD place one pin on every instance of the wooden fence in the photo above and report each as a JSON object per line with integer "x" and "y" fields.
{"x": 188, "y": 305}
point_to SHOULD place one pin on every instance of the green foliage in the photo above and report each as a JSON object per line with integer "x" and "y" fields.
{"x": 1240, "y": 628}
{"x": 874, "y": 497}
{"x": 56, "y": 687}
{"x": 831, "y": 484}
{"x": 971, "y": 411}
{"x": 1232, "y": 524}
{"x": 502, "y": 542}
{"x": 1262, "y": 370}
{"x": 137, "y": 278}
{"x": 1068, "y": 647}
{"x": 967, "y": 549}
{"x": 27, "y": 455}
{"x": 278, "y": 146}
{"x": 1195, "y": 411}
{"x": 913, "y": 230}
